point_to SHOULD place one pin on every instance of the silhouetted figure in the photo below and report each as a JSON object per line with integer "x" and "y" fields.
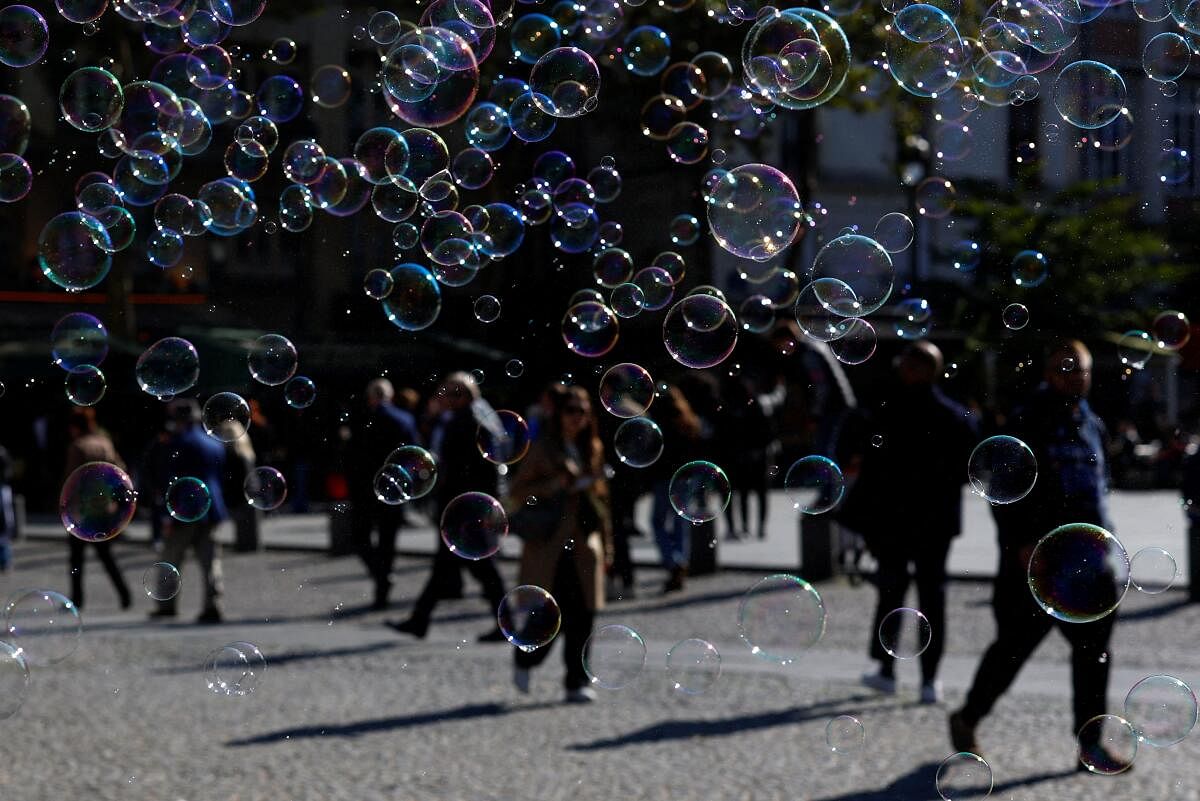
{"x": 681, "y": 430}
{"x": 566, "y": 465}
{"x": 192, "y": 452}
{"x": 1068, "y": 441}
{"x": 744, "y": 438}
{"x": 1190, "y": 490}
{"x": 459, "y": 409}
{"x": 920, "y": 442}
{"x": 382, "y": 428}
{"x": 8, "y": 511}
{"x": 88, "y": 443}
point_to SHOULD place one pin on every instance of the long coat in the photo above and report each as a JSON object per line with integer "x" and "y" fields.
{"x": 543, "y": 473}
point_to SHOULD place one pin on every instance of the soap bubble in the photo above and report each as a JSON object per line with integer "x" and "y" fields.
{"x": 754, "y": 211}
{"x": 43, "y": 626}
{"x": 1171, "y": 330}
{"x": 626, "y": 390}
{"x": 85, "y": 385}
{"x": 235, "y": 669}
{"x": 856, "y": 262}
{"x": 161, "y": 581}
{"x": 265, "y": 488}
{"x": 188, "y": 499}
{"x": 97, "y": 502}
{"x": 845, "y": 734}
{"x": 1162, "y": 709}
{"x": 693, "y": 666}
{"x": 1079, "y": 573}
{"x": 1015, "y": 316}
{"x": 502, "y": 437}
{"x": 700, "y": 331}
{"x": 614, "y": 657}
{"x": 1089, "y": 94}
{"x": 1135, "y": 348}
{"x": 419, "y": 468}
{"x": 24, "y": 36}
{"x": 894, "y": 232}
{"x": 1107, "y": 745}
{"x": 905, "y": 633}
{"x": 1152, "y": 570}
{"x": 590, "y": 329}
{"x": 814, "y": 484}
{"x": 14, "y": 679}
{"x": 168, "y": 368}
{"x": 780, "y": 617}
{"x": 529, "y": 617}
{"x": 699, "y": 491}
{"x": 638, "y": 442}
{"x": 78, "y": 339}
{"x": 1002, "y": 469}
{"x": 300, "y": 392}
{"x": 963, "y": 775}
{"x": 415, "y": 300}
{"x": 1030, "y": 268}
{"x": 16, "y": 178}
{"x": 226, "y": 416}
{"x": 74, "y": 251}
{"x": 474, "y": 525}
{"x": 272, "y": 360}
{"x": 565, "y": 82}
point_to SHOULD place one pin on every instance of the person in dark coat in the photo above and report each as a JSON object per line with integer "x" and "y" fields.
{"x": 191, "y": 452}
{"x": 920, "y": 442}
{"x": 1068, "y": 441}
{"x": 382, "y": 428}
{"x": 461, "y": 468}
{"x": 745, "y": 439}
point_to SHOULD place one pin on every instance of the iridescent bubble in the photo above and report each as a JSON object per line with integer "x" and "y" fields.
{"x": 272, "y": 360}
{"x": 699, "y": 491}
{"x": 97, "y": 502}
{"x": 487, "y": 308}
{"x": 392, "y": 485}
{"x": 162, "y": 581}
{"x": 646, "y": 50}
{"x": 905, "y": 633}
{"x": 687, "y": 143}
{"x": 845, "y": 734}
{"x": 300, "y": 392}
{"x": 85, "y": 385}
{"x": 1079, "y": 573}
{"x": 1107, "y": 745}
{"x": 377, "y": 284}
{"x": 168, "y": 368}
{"x": 1174, "y": 166}
{"x": 329, "y": 86}
{"x": 74, "y": 251}
{"x": 415, "y": 300}
{"x": 78, "y": 339}
{"x": 965, "y": 255}
{"x": 1171, "y": 330}
{"x": 936, "y": 197}
{"x": 1030, "y": 268}
{"x": 693, "y": 666}
{"x": 1015, "y": 316}
{"x": 814, "y": 484}
{"x": 529, "y": 617}
{"x": 638, "y": 442}
{"x": 657, "y": 287}
{"x": 265, "y": 488}
{"x": 279, "y": 99}
{"x": 700, "y": 331}
{"x": 474, "y": 525}
{"x": 627, "y": 300}
{"x": 1166, "y": 56}
{"x": 1089, "y": 94}
{"x": 43, "y": 626}
{"x": 188, "y": 499}
{"x": 24, "y": 36}
{"x": 626, "y": 390}
{"x": 1162, "y": 709}
{"x": 235, "y": 669}
{"x": 894, "y": 232}
{"x": 226, "y": 416}
{"x": 533, "y": 36}
{"x": 819, "y": 309}
{"x": 780, "y": 617}
{"x": 614, "y": 656}
{"x": 15, "y": 125}
{"x": 16, "y": 178}
{"x": 858, "y": 263}
{"x": 684, "y": 229}
{"x": 419, "y": 468}
{"x": 963, "y": 775}
{"x": 14, "y": 679}
{"x": 1002, "y": 469}
{"x": 590, "y": 329}
{"x": 1135, "y": 348}
{"x": 502, "y": 437}
{"x": 565, "y": 82}
{"x": 754, "y": 211}
{"x": 858, "y": 340}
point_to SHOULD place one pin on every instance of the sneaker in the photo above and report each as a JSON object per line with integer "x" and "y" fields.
{"x": 880, "y": 683}
{"x": 1099, "y": 760}
{"x": 410, "y": 626}
{"x": 962, "y": 735}
{"x": 931, "y": 692}
{"x": 521, "y": 680}
{"x": 581, "y": 695}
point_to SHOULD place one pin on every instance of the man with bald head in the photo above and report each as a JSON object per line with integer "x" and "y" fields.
{"x": 1068, "y": 441}
{"x": 907, "y": 503}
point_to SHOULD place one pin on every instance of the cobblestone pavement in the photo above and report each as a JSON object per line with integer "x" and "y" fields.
{"x": 347, "y": 710}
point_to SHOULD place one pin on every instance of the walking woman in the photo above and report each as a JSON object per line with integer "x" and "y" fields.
{"x": 565, "y": 465}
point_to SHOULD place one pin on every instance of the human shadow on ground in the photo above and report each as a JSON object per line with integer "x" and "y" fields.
{"x": 287, "y": 657}
{"x": 376, "y": 725}
{"x": 674, "y": 730}
{"x": 920, "y": 784}
{"x": 1161, "y": 610}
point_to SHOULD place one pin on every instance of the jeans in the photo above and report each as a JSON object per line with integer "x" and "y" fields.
{"x": 671, "y": 533}
{"x": 200, "y": 537}
{"x": 103, "y": 552}
{"x": 893, "y": 579}
{"x": 576, "y": 628}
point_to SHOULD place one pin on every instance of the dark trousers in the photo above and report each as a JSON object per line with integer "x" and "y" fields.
{"x": 576, "y": 627}
{"x": 742, "y": 500}
{"x": 104, "y": 553}
{"x": 893, "y": 578}
{"x": 447, "y": 575}
{"x": 624, "y": 527}
{"x": 371, "y": 515}
{"x": 1020, "y": 626}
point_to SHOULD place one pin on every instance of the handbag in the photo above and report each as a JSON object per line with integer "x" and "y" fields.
{"x": 538, "y": 522}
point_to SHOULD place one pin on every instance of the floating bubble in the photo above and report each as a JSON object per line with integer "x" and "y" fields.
{"x": 419, "y": 467}
{"x": 415, "y": 300}
{"x": 487, "y": 309}
{"x": 168, "y": 368}
{"x": 1015, "y": 316}
{"x": 78, "y": 339}
{"x": 819, "y": 307}
{"x": 24, "y": 36}
{"x": 700, "y": 331}
{"x": 235, "y": 669}
{"x": 14, "y": 680}
{"x": 393, "y": 485}
{"x": 626, "y": 390}
{"x": 503, "y": 437}
{"x": 97, "y": 502}
{"x": 188, "y": 499}
{"x": 226, "y": 416}
{"x": 1030, "y": 268}
{"x": 265, "y": 488}
{"x": 1079, "y": 573}
{"x": 1162, "y": 709}
{"x": 936, "y": 198}
{"x": 1089, "y": 94}
{"x": 614, "y": 657}
{"x": 638, "y": 442}
{"x": 1002, "y": 469}
{"x": 963, "y": 775}
{"x": 85, "y": 385}
{"x": 474, "y": 525}
{"x": 858, "y": 340}
{"x": 565, "y": 82}
{"x": 894, "y": 232}
{"x": 754, "y": 211}
{"x": 300, "y": 392}
{"x": 780, "y": 617}
{"x": 529, "y": 617}
{"x": 684, "y": 229}
{"x": 646, "y": 50}
{"x": 1171, "y": 330}
{"x": 693, "y": 666}
{"x": 814, "y": 484}
{"x": 627, "y": 300}
{"x": 43, "y": 626}
{"x": 905, "y": 633}
{"x": 845, "y": 734}
{"x": 590, "y": 329}
{"x": 699, "y": 491}
{"x": 859, "y": 264}
{"x": 329, "y": 86}
{"x": 965, "y": 255}
{"x": 74, "y": 251}
{"x": 1107, "y": 745}
{"x": 16, "y": 178}
{"x": 1135, "y": 348}
{"x": 162, "y": 581}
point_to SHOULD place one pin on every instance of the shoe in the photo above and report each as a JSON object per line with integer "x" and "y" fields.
{"x": 495, "y": 635}
{"x": 1099, "y": 760}
{"x": 581, "y": 695}
{"x": 521, "y": 680}
{"x": 126, "y": 601}
{"x": 962, "y": 735}
{"x": 162, "y": 613}
{"x": 209, "y": 617}
{"x": 931, "y": 692}
{"x": 675, "y": 581}
{"x": 410, "y": 626}
{"x": 879, "y": 683}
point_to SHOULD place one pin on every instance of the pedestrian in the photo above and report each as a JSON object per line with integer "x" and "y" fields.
{"x": 381, "y": 429}
{"x": 459, "y": 408}
{"x": 681, "y": 430}
{"x": 1068, "y": 441}
{"x": 1190, "y": 489}
{"x": 8, "y": 511}
{"x": 566, "y": 465}
{"x": 920, "y": 442}
{"x": 744, "y": 437}
{"x": 193, "y": 453}
{"x": 89, "y": 443}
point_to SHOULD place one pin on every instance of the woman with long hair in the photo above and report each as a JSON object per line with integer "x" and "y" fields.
{"x": 565, "y": 465}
